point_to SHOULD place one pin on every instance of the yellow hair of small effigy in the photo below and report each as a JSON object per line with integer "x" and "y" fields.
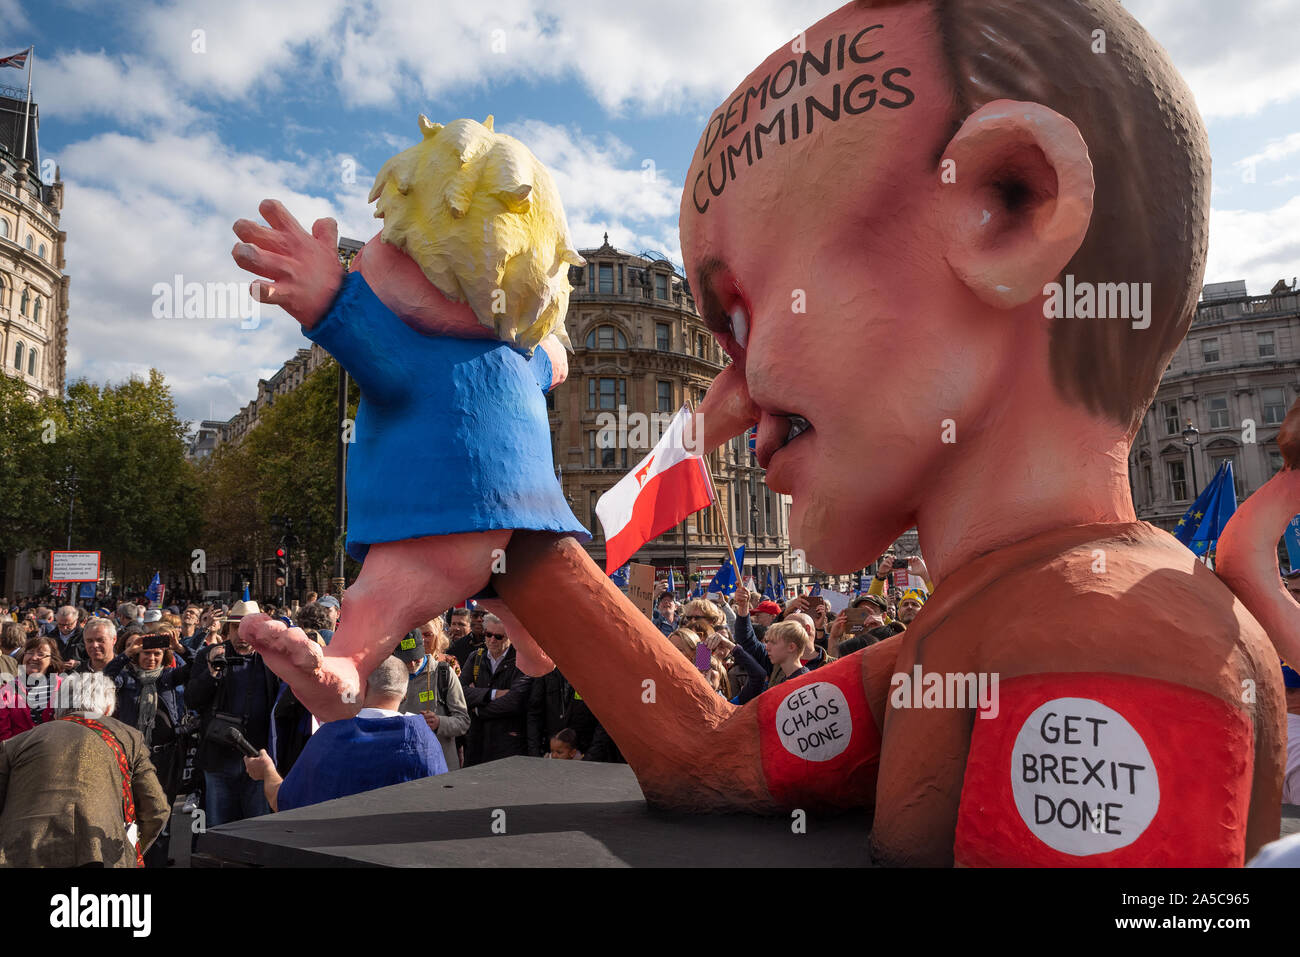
{"x": 481, "y": 216}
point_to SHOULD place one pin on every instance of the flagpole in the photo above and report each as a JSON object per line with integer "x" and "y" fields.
{"x": 27, "y": 114}
{"x": 726, "y": 532}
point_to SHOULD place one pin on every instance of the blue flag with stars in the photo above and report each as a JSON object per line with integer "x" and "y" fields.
{"x": 619, "y": 576}
{"x": 1200, "y": 528}
{"x": 769, "y": 590}
{"x": 780, "y": 585}
{"x": 247, "y": 596}
{"x": 1292, "y": 539}
{"x": 725, "y": 580}
{"x": 672, "y": 584}
{"x": 816, "y": 590}
{"x": 154, "y": 586}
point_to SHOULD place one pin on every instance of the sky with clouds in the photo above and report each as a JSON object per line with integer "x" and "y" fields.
{"x": 169, "y": 120}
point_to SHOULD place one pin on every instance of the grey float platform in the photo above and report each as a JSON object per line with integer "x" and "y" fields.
{"x": 557, "y": 814}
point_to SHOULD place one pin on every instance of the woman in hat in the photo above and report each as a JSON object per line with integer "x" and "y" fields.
{"x": 148, "y": 676}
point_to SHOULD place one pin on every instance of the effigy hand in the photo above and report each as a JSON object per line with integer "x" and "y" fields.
{"x": 304, "y": 268}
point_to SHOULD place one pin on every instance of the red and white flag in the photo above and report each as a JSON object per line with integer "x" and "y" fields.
{"x": 18, "y": 61}
{"x": 666, "y": 486}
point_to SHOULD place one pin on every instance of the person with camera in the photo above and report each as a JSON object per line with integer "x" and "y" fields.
{"x": 148, "y": 676}
{"x": 233, "y": 690}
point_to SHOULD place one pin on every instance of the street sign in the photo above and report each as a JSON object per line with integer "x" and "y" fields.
{"x": 279, "y": 583}
{"x": 74, "y": 567}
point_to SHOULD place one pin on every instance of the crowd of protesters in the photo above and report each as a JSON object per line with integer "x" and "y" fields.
{"x": 171, "y": 706}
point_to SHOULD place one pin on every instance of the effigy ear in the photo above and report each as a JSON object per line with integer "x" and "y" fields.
{"x": 429, "y": 128}
{"x": 516, "y": 198}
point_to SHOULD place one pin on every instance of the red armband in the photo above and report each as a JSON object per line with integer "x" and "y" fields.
{"x": 1106, "y": 770}
{"x": 819, "y": 741}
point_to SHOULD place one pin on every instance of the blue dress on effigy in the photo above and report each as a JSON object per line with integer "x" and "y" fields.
{"x": 451, "y": 434}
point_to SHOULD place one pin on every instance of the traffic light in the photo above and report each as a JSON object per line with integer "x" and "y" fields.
{"x": 281, "y": 564}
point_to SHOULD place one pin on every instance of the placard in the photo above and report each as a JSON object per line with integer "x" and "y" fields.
{"x": 641, "y": 586}
{"x": 68, "y": 566}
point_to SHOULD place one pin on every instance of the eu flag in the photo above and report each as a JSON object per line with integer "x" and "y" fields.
{"x": 725, "y": 580}
{"x": 619, "y": 576}
{"x": 1200, "y": 528}
{"x": 152, "y": 593}
{"x": 780, "y": 585}
{"x": 816, "y": 590}
{"x": 770, "y": 590}
{"x": 672, "y": 585}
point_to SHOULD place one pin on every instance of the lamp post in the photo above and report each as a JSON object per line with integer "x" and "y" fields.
{"x": 1191, "y": 436}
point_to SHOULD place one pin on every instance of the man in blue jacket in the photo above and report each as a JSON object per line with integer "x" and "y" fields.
{"x": 379, "y": 747}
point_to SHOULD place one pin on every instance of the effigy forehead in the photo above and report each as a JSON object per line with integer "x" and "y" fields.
{"x": 843, "y": 70}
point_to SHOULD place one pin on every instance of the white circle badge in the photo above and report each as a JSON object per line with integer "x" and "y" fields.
{"x": 813, "y": 721}
{"x": 1082, "y": 778}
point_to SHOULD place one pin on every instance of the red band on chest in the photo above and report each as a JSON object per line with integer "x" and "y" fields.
{"x": 1104, "y": 770}
{"x": 820, "y": 743}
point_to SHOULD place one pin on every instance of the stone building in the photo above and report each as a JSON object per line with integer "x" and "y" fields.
{"x": 33, "y": 287}
{"x": 641, "y": 349}
{"x": 1232, "y": 381}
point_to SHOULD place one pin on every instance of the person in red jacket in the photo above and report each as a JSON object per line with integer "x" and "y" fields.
{"x": 27, "y": 699}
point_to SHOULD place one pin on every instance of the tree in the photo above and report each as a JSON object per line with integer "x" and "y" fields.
{"x": 285, "y": 466}
{"x": 28, "y": 509}
{"x": 124, "y": 478}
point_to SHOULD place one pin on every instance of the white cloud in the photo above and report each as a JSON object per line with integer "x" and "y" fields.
{"x": 1273, "y": 151}
{"x": 127, "y": 233}
{"x": 1260, "y": 247}
{"x": 1238, "y": 58}
{"x": 227, "y": 48}
{"x": 129, "y": 89}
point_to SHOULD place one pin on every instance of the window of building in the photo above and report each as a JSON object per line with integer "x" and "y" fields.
{"x": 1275, "y": 462}
{"x": 606, "y": 394}
{"x": 1218, "y": 406}
{"x": 593, "y": 521}
{"x": 18, "y": 357}
{"x": 41, "y": 251}
{"x": 605, "y": 458}
{"x": 550, "y": 401}
{"x": 22, "y": 303}
{"x": 665, "y": 396}
{"x": 1150, "y": 485}
{"x": 1171, "y": 418}
{"x": 661, "y": 286}
{"x": 606, "y": 337}
{"x": 577, "y": 276}
{"x": 28, "y": 244}
{"x": 31, "y": 362}
{"x": 662, "y": 336}
{"x": 606, "y": 278}
{"x": 1267, "y": 350}
{"x": 1176, "y": 473}
{"x": 700, "y": 347}
{"x": 4, "y": 228}
{"x": 36, "y": 309}
{"x": 1274, "y": 402}
{"x": 1210, "y": 350}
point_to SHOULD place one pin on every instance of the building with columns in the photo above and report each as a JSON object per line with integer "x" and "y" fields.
{"x": 33, "y": 287}
{"x": 1223, "y": 398}
{"x": 642, "y": 350}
